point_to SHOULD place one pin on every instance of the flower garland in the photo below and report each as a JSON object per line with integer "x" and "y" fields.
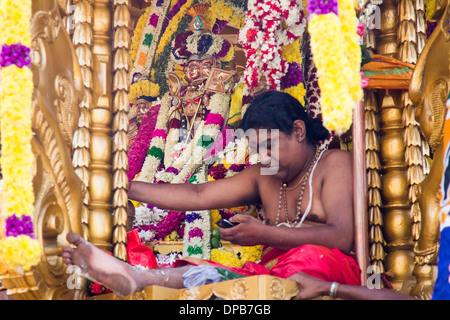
{"x": 19, "y": 248}
{"x": 136, "y": 154}
{"x": 146, "y": 49}
{"x": 196, "y": 42}
{"x": 137, "y": 35}
{"x": 149, "y": 40}
{"x": 231, "y": 259}
{"x": 176, "y": 20}
{"x": 197, "y": 232}
{"x": 269, "y": 25}
{"x": 337, "y": 56}
{"x": 177, "y": 170}
{"x": 226, "y": 12}
{"x": 292, "y": 82}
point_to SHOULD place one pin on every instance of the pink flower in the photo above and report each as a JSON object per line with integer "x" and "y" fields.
{"x": 159, "y": 133}
{"x": 154, "y": 20}
{"x": 214, "y": 118}
{"x": 361, "y": 29}
{"x": 364, "y": 80}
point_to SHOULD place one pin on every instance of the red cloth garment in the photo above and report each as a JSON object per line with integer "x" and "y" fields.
{"x": 138, "y": 253}
{"x": 317, "y": 261}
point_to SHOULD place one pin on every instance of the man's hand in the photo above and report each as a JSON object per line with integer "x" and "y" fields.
{"x": 309, "y": 287}
{"x": 249, "y": 232}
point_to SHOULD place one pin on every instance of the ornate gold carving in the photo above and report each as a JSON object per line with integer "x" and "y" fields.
{"x": 68, "y": 117}
{"x": 239, "y": 291}
{"x": 121, "y": 67}
{"x": 407, "y": 35}
{"x": 58, "y": 191}
{"x": 429, "y": 90}
{"x": 373, "y": 166}
{"x": 277, "y": 289}
{"x": 82, "y": 41}
{"x": 420, "y": 25}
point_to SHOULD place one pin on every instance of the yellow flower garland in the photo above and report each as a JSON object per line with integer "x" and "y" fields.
{"x": 336, "y": 54}
{"x": 230, "y": 259}
{"x": 291, "y": 53}
{"x": 16, "y": 89}
{"x": 136, "y": 40}
{"x": 223, "y": 11}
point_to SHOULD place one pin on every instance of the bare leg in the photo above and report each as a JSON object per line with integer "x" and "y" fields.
{"x": 117, "y": 275}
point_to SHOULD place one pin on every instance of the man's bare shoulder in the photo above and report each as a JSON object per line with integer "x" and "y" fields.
{"x": 336, "y": 158}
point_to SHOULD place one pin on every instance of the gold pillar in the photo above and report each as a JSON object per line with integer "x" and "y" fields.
{"x": 100, "y": 217}
{"x": 121, "y": 66}
{"x": 387, "y": 37}
{"x": 396, "y": 207}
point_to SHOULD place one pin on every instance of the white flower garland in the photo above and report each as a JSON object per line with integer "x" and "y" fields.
{"x": 190, "y": 158}
{"x": 151, "y": 163}
{"x": 202, "y": 240}
{"x": 269, "y": 25}
{"x": 192, "y": 43}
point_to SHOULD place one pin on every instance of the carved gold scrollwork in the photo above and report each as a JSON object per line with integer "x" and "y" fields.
{"x": 67, "y": 116}
{"x": 438, "y": 97}
{"x": 46, "y": 25}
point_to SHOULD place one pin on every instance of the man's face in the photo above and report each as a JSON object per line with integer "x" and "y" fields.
{"x": 276, "y": 152}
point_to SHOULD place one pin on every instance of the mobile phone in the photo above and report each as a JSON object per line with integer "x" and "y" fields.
{"x": 224, "y": 223}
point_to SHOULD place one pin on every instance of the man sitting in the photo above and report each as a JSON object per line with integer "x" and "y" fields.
{"x": 306, "y": 193}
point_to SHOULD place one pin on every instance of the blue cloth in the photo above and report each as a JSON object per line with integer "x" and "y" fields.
{"x": 200, "y": 275}
{"x": 442, "y": 286}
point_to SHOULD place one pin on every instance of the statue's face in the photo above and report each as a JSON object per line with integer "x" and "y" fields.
{"x": 207, "y": 65}
{"x": 142, "y": 106}
{"x": 193, "y": 71}
{"x": 199, "y": 69}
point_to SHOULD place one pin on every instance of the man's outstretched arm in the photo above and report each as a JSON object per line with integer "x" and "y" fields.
{"x": 238, "y": 190}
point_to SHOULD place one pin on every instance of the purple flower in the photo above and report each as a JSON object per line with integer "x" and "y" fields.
{"x": 322, "y": 7}
{"x": 293, "y": 76}
{"x": 225, "y": 48}
{"x": 192, "y": 217}
{"x": 16, "y": 226}
{"x": 219, "y": 25}
{"x": 15, "y": 54}
{"x": 204, "y": 43}
{"x": 172, "y": 169}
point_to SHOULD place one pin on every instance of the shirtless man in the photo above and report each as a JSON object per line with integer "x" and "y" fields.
{"x": 310, "y": 188}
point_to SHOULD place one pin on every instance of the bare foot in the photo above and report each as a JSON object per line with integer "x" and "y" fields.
{"x": 99, "y": 266}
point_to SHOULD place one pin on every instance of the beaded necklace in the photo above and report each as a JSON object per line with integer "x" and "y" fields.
{"x": 283, "y": 197}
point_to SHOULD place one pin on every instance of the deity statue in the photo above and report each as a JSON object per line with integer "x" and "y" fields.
{"x": 190, "y": 118}
{"x": 136, "y": 115}
{"x": 191, "y": 99}
{"x": 429, "y": 90}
